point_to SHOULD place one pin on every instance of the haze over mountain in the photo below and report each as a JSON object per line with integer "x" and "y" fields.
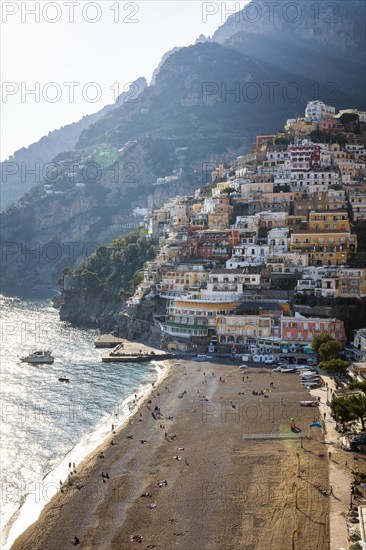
{"x": 206, "y": 103}
{"x": 25, "y": 168}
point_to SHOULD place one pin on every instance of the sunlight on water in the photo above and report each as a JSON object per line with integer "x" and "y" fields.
{"x": 45, "y": 423}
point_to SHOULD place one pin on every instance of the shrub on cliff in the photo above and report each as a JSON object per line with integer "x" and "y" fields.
{"x": 115, "y": 268}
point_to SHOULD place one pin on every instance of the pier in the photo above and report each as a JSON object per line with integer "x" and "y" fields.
{"x": 135, "y": 352}
{"x": 108, "y": 341}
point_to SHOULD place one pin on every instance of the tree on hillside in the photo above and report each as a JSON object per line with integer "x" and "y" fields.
{"x": 351, "y": 408}
{"x": 341, "y": 409}
{"x": 326, "y": 346}
{"x": 357, "y": 385}
{"x": 358, "y": 407}
{"x": 334, "y": 366}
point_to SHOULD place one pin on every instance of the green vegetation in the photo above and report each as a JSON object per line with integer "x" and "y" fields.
{"x": 334, "y": 366}
{"x": 350, "y": 408}
{"x": 326, "y": 346}
{"x": 356, "y": 385}
{"x": 115, "y": 268}
{"x": 328, "y": 351}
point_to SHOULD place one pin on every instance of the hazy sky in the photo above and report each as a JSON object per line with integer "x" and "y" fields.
{"x": 77, "y": 55}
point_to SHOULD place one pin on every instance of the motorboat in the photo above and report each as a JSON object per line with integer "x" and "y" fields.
{"x": 39, "y": 357}
{"x": 64, "y": 378}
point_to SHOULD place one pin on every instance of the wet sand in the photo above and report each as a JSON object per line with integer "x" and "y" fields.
{"x": 242, "y": 482}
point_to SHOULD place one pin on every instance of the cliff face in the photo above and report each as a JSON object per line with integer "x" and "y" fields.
{"x": 110, "y": 313}
{"x": 137, "y": 323}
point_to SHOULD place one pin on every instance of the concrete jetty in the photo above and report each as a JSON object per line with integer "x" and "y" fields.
{"x": 135, "y": 352}
{"x": 108, "y": 341}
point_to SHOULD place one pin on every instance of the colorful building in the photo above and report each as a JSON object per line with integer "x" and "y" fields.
{"x": 300, "y": 329}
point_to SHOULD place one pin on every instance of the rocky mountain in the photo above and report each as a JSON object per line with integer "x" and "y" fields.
{"x": 324, "y": 40}
{"x": 25, "y": 168}
{"x": 207, "y": 103}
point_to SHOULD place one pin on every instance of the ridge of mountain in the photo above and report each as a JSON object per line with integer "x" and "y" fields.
{"x": 207, "y": 103}
{"x": 23, "y": 170}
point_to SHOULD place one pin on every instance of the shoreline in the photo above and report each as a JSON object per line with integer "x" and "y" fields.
{"x": 49, "y": 486}
{"x": 200, "y": 450}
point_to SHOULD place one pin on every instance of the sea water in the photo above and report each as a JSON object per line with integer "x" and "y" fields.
{"x": 46, "y": 424}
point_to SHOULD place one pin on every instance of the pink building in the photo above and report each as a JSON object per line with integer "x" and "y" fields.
{"x": 302, "y": 330}
{"x": 330, "y": 125}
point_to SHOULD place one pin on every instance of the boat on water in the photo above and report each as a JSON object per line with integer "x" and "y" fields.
{"x": 38, "y": 357}
{"x": 64, "y": 379}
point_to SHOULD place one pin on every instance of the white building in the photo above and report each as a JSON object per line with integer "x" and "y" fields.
{"x": 361, "y": 114}
{"x": 246, "y": 255}
{"x": 229, "y": 283}
{"x": 317, "y": 110}
{"x": 288, "y": 262}
{"x": 319, "y": 180}
{"x": 359, "y": 344}
{"x": 278, "y": 239}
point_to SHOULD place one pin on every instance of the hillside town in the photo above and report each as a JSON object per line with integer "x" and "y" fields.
{"x": 255, "y": 260}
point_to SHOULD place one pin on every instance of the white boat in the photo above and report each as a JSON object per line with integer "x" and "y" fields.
{"x": 38, "y": 357}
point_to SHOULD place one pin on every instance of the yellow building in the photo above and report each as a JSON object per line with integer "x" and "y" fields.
{"x": 181, "y": 279}
{"x": 188, "y": 317}
{"x": 329, "y": 219}
{"x": 344, "y": 283}
{"x": 324, "y": 247}
{"x": 242, "y": 329}
{"x": 220, "y": 218}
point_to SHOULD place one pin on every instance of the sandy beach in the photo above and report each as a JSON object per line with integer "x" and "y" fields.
{"x": 232, "y": 476}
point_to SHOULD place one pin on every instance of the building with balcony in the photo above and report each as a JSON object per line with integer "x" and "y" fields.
{"x": 230, "y": 283}
{"x": 316, "y": 111}
{"x": 286, "y": 262}
{"x": 304, "y": 157}
{"x": 300, "y": 329}
{"x": 244, "y": 255}
{"x": 334, "y": 220}
{"x": 246, "y": 329}
{"x": 324, "y": 247}
{"x": 189, "y": 316}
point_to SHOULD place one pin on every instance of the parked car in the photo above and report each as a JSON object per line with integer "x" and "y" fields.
{"x": 243, "y": 367}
